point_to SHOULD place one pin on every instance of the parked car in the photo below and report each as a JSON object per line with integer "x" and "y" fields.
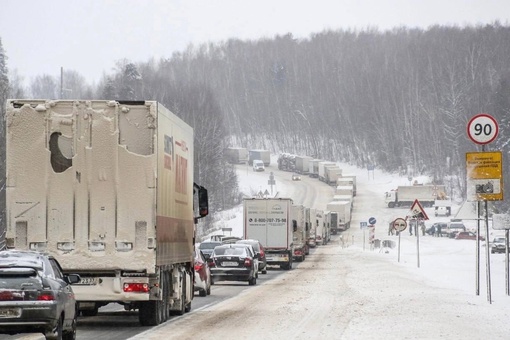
{"x": 202, "y": 274}
{"x": 467, "y": 235}
{"x": 234, "y": 262}
{"x": 296, "y": 177}
{"x": 498, "y": 245}
{"x": 207, "y": 247}
{"x": 35, "y": 296}
{"x": 442, "y": 211}
{"x": 259, "y": 253}
{"x": 258, "y": 165}
{"x": 454, "y": 228}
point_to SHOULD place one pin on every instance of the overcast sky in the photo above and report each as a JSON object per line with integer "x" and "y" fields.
{"x": 88, "y": 36}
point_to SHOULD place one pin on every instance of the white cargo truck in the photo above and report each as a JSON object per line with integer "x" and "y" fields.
{"x": 340, "y": 216}
{"x": 300, "y": 240}
{"x": 107, "y": 188}
{"x": 320, "y": 228}
{"x": 344, "y": 190}
{"x": 332, "y": 174}
{"x": 344, "y": 198}
{"x": 263, "y": 155}
{"x": 313, "y": 168}
{"x": 348, "y": 180}
{"x": 302, "y": 164}
{"x": 311, "y": 226}
{"x": 269, "y": 221}
{"x": 405, "y": 195}
{"x": 322, "y": 170}
{"x": 236, "y": 155}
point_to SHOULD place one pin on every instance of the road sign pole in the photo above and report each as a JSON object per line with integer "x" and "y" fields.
{"x": 399, "y": 246}
{"x": 417, "y": 232}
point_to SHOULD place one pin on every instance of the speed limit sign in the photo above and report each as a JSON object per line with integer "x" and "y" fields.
{"x": 482, "y": 129}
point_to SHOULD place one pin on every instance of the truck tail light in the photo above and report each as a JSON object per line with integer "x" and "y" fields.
{"x": 136, "y": 287}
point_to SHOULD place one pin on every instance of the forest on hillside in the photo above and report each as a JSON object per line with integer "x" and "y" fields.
{"x": 398, "y": 99}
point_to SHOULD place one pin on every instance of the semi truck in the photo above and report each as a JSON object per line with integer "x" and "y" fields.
{"x": 302, "y": 164}
{"x": 300, "y": 232}
{"x": 346, "y": 179}
{"x": 332, "y": 174}
{"x": 340, "y": 215}
{"x": 107, "y": 188}
{"x": 263, "y": 155}
{"x": 236, "y": 155}
{"x": 313, "y": 168}
{"x": 269, "y": 221}
{"x": 311, "y": 226}
{"x": 322, "y": 170}
{"x": 405, "y": 195}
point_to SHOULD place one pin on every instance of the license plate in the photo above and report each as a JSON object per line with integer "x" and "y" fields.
{"x": 230, "y": 264}
{"x": 88, "y": 281}
{"x": 10, "y": 312}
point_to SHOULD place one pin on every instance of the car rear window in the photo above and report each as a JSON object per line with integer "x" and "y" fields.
{"x": 209, "y": 245}
{"x": 230, "y": 251}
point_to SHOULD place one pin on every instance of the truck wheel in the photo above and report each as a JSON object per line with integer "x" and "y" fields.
{"x": 391, "y": 205}
{"x": 149, "y": 313}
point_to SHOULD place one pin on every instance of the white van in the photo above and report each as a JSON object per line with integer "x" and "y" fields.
{"x": 258, "y": 165}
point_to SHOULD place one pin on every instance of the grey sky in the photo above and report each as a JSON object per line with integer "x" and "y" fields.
{"x": 88, "y": 36}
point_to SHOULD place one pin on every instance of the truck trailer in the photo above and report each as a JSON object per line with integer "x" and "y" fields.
{"x": 269, "y": 221}
{"x": 300, "y": 232}
{"x": 405, "y": 195}
{"x": 263, "y": 155}
{"x": 106, "y": 187}
{"x": 322, "y": 170}
{"x": 303, "y": 164}
{"x": 236, "y": 155}
{"x": 340, "y": 215}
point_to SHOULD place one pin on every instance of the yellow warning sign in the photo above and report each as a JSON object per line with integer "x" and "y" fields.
{"x": 484, "y": 176}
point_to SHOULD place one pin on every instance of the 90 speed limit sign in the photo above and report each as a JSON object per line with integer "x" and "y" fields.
{"x": 482, "y": 129}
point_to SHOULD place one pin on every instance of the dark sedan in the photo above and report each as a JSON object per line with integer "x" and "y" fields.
{"x": 35, "y": 296}
{"x": 207, "y": 247}
{"x": 233, "y": 262}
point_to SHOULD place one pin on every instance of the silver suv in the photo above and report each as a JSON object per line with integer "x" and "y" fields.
{"x": 453, "y": 228}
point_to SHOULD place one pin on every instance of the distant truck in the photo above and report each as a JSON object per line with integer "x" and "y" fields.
{"x": 286, "y": 162}
{"x": 340, "y": 216}
{"x": 344, "y": 198}
{"x": 344, "y": 190}
{"x": 236, "y": 155}
{"x": 263, "y": 155}
{"x": 310, "y": 226}
{"x": 347, "y": 180}
{"x": 302, "y": 164}
{"x": 322, "y": 170}
{"x": 269, "y": 221}
{"x": 443, "y": 207}
{"x": 321, "y": 229}
{"x": 405, "y": 196}
{"x": 107, "y": 188}
{"x": 300, "y": 239}
{"x": 332, "y": 174}
{"x": 313, "y": 168}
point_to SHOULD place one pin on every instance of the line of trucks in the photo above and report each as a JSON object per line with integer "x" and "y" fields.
{"x": 288, "y": 230}
{"x": 107, "y": 188}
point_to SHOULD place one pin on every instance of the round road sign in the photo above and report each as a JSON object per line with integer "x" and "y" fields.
{"x": 482, "y": 129}
{"x": 399, "y": 224}
{"x": 372, "y": 220}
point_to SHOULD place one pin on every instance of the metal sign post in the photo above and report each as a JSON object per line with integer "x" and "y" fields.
{"x": 484, "y": 182}
{"x": 399, "y": 225}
